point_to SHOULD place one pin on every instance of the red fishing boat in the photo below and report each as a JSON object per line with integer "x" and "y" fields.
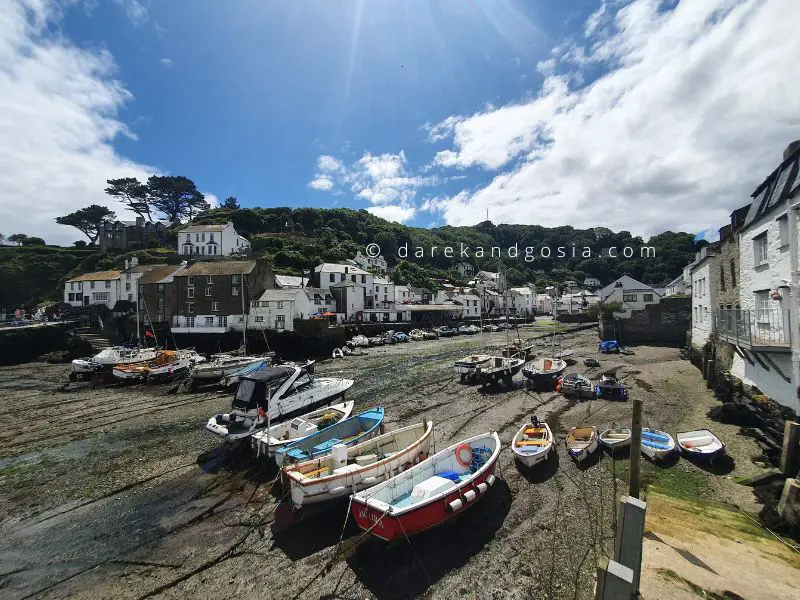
{"x": 430, "y": 492}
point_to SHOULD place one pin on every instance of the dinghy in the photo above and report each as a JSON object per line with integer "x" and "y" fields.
{"x": 349, "y": 432}
{"x": 273, "y": 394}
{"x": 656, "y": 445}
{"x": 499, "y": 368}
{"x": 348, "y": 470}
{"x": 615, "y": 439}
{"x": 533, "y": 443}
{"x": 267, "y": 441}
{"x": 467, "y": 365}
{"x": 544, "y": 370}
{"x": 610, "y": 388}
{"x": 700, "y": 444}
{"x": 581, "y": 442}
{"x": 431, "y": 492}
{"x": 575, "y": 385}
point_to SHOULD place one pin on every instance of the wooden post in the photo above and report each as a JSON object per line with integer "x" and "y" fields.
{"x": 630, "y": 532}
{"x": 790, "y": 455}
{"x": 710, "y": 373}
{"x": 789, "y": 504}
{"x": 614, "y": 581}
{"x": 636, "y": 447}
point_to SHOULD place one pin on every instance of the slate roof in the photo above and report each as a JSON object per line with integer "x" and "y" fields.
{"x": 97, "y": 276}
{"x": 225, "y": 267}
{"x": 779, "y": 184}
{"x": 160, "y": 274}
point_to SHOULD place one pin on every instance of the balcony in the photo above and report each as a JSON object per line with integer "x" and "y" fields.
{"x": 755, "y": 330}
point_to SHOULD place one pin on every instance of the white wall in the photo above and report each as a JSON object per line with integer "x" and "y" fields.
{"x": 768, "y": 382}
{"x": 704, "y": 300}
{"x": 84, "y": 288}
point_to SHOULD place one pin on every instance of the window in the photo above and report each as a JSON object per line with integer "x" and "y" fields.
{"x": 647, "y": 297}
{"x": 196, "y": 237}
{"x": 208, "y": 291}
{"x": 190, "y": 321}
{"x": 209, "y": 280}
{"x": 161, "y": 303}
{"x": 783, "y": 230}
{"x": 209, "y": 321}
{"x": 280, "y": 322}
{"x": 333, "y": 278}
{"x": 399, "y": 316}
{"x": 128, "y": 287}
{"x": 235, "y": 278}
{"x": 386, "y": 317}
{"x": 234, "y": 291}
{"x": 108, "y": 285}
{"x": 377, "y": 288}
{"x": 210, "y": 237}
{"x": 130, "y": 297}
{"x": 215, "y": 307}
{"x": 190, "y": 307}
{"x": 190, "y": 281}
{"x": 160, "y": 288}
{"x": 128, "y": 276}
{"x": 363, "y": 279}
{"x": 100, "y": 296}
{"x": 72, "y": 285}
{"x": 259, "y": 319}
{"x": 222, "y": 321}
{"x": 760, "y": 249}
{"x": 762, "y": 303}
{"x": 733, "y": 273}
{"x": 342, "y": 277}
{"x": 722, "y": 277}
{"x": 629, "y": 297}
{"x": 202, "y": 249}
{"x": 353, "y": 278}
{"x": 190, "y": 292}
{"x": 280, "y": 304}
{"x": 91, "y": 285}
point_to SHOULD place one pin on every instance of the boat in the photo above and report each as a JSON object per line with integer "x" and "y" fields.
{"x": 591, "y": 362}
{"x": 544, "y": 370}
{"x": 233, "y": 378}
{"x": 497, "y": 369}
{"x": 167, "y": 364}
{"x": 272, "y": 394}
{"x": 467, "y": 365}
{"x": 700, "y": 444}
{"x": 608, "y": 346}
{"x": 348, "y": 470}
{"x": 614, "y": 439}
{"x": 656, "y": 445}
{"x": 221, "y": 365}
{"x": 358, "y": 341}
{"x": 469, "y": 329}
{"x": 430, "y": 492}
{"x": 581, "y": 442}
{"x": 533, "y": 443}
{"x": 525, "y": 351}
{"x": 266, "y": 441}
{"x": 445, "y": 331}
{"x": 349, "y": 432}
{"x": 575, "y": 385}
{"x": 610, "y": 388}
{"x": 110, "y": 357}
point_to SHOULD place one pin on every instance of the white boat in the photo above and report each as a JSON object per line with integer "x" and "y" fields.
{"x": 544, "y": 370}
{"x": 233, "y": 378}
{"x": 266, "y": 441}
{"x": 614, "y": 439}
{"x": 656, "y": 444}
{"x": 358, "y": 341}
{"x": 581, "y": 442}
{"x": 108, "y": 358}
{"x": 417, "y": 335}
{"x": 499, "y": 368}
{"x": 347, "y": 470}
{"x": 468, "y": 364}
{"x": 700, "y": 444}
{"x": 221, "y": 365}
{"x": 272, "y": 394}
{"x": 533, "y": 443}
{"x": 575, "y": 385}
{"x": 167, "y": 364}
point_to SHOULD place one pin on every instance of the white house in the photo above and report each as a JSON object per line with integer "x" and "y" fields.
{"x": 402, "y": 294}
{"x": 765, "y": 330}
{"x": 496, "y": 281}
{"x": 576, "y": 302}
{"x": 466, "y": 270}
{"x": 290, "y": 281}
{"x": 679, "y": 285}
{"x": 368, "y": 263}
{"x": 544, "y": 304}
{"x": 211, "y": 240}
{"x": 349, "y": 298}
{"x": 705, "y": 283}
{"x": 277, "y": 309}
{"x": 520, "y": 301}
{"x": 466, "y": 298}
{"x": 383, "y": 292}
{"x": 592, "y": 283}
{"x": 631, "y": 294}
{"x": 100, "y": 287}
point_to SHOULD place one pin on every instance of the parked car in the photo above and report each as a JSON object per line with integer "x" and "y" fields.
{"x": 469, "y": 329}
{"x": 401, "y": 336}
{"x": 445, "y": 331}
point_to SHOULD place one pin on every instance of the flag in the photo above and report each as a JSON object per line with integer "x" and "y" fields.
{"x": 262, "y": 414}
{"x": 149, "y": 334}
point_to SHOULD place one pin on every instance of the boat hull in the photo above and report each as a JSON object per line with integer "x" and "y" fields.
{"x": 541, "y": 453}
{"x": 700, "y": 445}
{"x": 581, "y": 454}
{"x": 657, "y": 445}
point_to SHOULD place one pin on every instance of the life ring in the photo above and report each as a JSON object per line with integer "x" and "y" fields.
{"x": 459, "y": 455}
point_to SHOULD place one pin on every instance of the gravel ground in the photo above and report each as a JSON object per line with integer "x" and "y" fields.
{"x": 119, "y": 492}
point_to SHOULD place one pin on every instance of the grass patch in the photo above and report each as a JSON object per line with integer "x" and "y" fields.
{"x": 673, "y": 481}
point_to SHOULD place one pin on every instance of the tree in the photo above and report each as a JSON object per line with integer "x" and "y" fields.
{"x": 33, "y": 241}
{"x": 80, "y": 244}
{"x": 17, "y": 238}
{"x": 231, "y": 202}
{"x": 89, "y": 220}
{"x": 132, "y": 193}
{"x": 175, "y": 196}
{"x": 2, "y": 239}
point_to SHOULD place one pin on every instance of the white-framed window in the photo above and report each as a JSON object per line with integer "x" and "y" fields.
{"x": 647, "y": 297}
{"x": 222, "y": 321}
{"x": 128, "y": 287}
{"x": 160, "y": 288}
{"x": 91, "y": 285}
{"x": 108, "y": 285}
{"x": 190, "y": 321}
{"x": 208, "y": 291}
{"x": 235, "y": 278}
{"x": 210, "y": 237}
{"x": 234, "y": 291}
{"x": 190, "y": 292}
{"x": 209, "y": 321}
{"x": 280, "y": 322}
{"x": 760, "y": 252}
{"x": 209, "y": 280}
{"x": 161, "y": 303}
{"x": 629, "y": 297}
{"x": 196, "y": 237}
{"x": 259, "y": 319}
{"x": 190, "y": 281}
{"x": 215, "y": 307}
{"x": 202, "y": 237}
{"x": 190, "y": 307}
{"x": 72, "y": 285}
{"x": 333, "y": 278}
{"x": 763, "y": 306}
{"x": 130, "y": 297}
{"x": 280, "y": 304}
{"x": 783, "y": 230}
{"x": 100, "y": 296}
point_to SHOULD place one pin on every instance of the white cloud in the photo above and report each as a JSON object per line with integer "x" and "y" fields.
{"x": 212, "y": 200}
{"x": 136, "y": 11}
{"x": 694, "y": 110}
{"x": 323, "y": 183}
{"x": 58, "y": 117}
{"x": 167, "y": 62}
{"x": 329, "y": 164}
{"x": 400, "y": 214}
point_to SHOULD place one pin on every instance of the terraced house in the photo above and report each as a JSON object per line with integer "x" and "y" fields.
{"x": 211, "y": 240}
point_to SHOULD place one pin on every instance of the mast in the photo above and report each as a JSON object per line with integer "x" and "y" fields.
{"x": 244, "y": 321}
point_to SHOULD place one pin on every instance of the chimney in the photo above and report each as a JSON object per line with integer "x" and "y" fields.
{"x": 790, "y": 149}
{"x": 140, "y": 221}
{"x": 127, "y": 264}
{"x": 346, "y": 270}
{"x": 134, "y": 261}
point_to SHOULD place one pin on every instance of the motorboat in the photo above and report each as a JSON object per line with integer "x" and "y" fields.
{"x": 233, "y": 378}
{"x": 430, "y": 492}
{"x": 347, "y": 432}
{"x": 575, "y": 385}
{"x": 499, "y": 368}
{"x": 700, "y": 444}
{"x": 167, "y": 364}
{"x": 110, "y": 357}
{"x": 544, "y": 370}
{"x": 266, "y": 441}
{"x": 347, "y": 470}
{"x": 273, "y": 394}
{"x": 581, "y": 442}
{"x": 533, "y": 443}
{"x": 221, "y": 365}
{"x": 656, "y": 445}
{"x": 610, "y": 388}
{"x": 615, "y": 439}
{"x": 467, "y": 365}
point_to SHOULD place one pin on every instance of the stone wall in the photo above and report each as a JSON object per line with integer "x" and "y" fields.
{"x": 664, "y": 323}
{"x": 728, "y": 294}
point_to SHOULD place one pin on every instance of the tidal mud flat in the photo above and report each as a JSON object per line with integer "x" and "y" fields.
{"x": 120, "y": 492}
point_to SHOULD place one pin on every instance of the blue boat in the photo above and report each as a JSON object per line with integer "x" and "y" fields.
{"x": 608, "y": 346}
{"x": 349, "y": 432}
{"x": 656, "y": 445}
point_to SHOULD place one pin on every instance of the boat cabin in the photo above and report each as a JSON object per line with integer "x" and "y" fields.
{"x": 255, "y": 389}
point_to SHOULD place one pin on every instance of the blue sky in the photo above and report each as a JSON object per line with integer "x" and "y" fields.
{"x": 630, "y": 114}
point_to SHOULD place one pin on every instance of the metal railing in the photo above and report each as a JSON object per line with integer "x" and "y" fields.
{"x": 761, "y": 327}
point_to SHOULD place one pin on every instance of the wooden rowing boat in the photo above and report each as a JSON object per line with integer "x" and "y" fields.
{"x": 701, "y": 444}
{"x": 581, "y": 442}
{"x": 532, "y": 444}
{"x": 615, "y": 439}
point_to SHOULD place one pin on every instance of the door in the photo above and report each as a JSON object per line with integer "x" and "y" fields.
{"x": 86, "y": 300}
